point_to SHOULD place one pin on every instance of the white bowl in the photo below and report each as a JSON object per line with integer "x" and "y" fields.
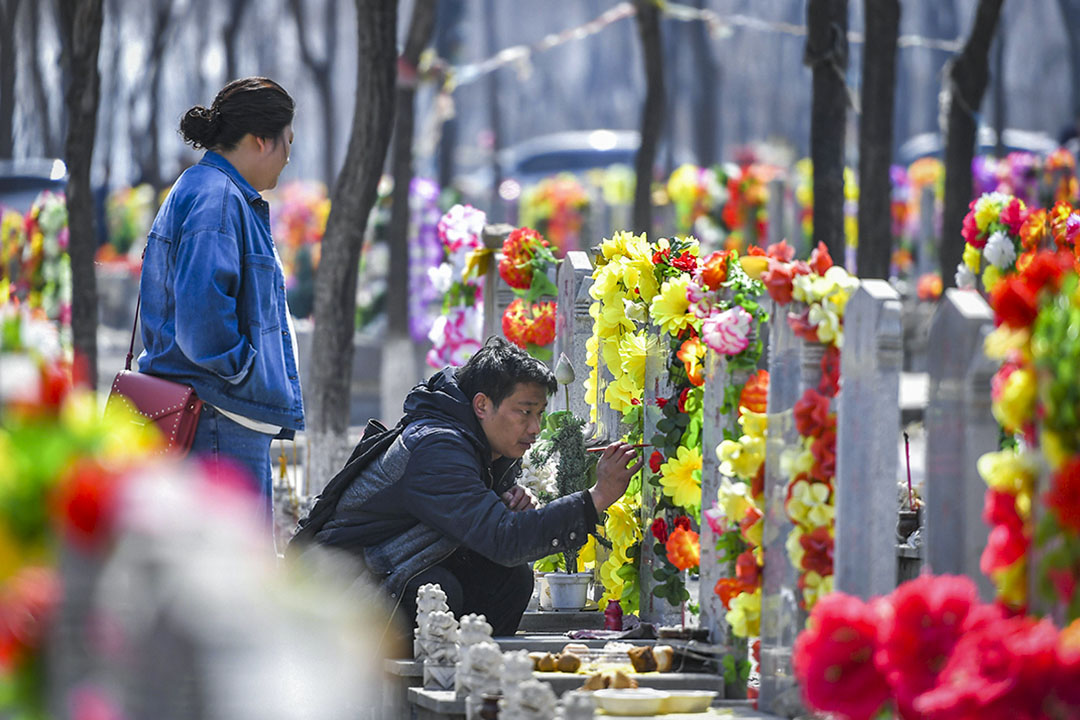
{"x": 688, "y": 701}
{"x": 630, "y": 701}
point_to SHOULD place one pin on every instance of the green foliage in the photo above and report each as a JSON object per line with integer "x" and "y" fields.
{"x": 563, "y": 433}
{"x": 736, "y": 672}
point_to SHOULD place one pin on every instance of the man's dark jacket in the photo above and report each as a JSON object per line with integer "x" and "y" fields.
{"x": 436, "y": 489}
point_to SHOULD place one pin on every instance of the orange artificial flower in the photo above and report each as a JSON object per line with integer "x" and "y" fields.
{"x": 684, "y": 548}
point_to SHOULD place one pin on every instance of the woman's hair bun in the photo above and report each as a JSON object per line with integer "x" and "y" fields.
{"x": 199, "y": 127}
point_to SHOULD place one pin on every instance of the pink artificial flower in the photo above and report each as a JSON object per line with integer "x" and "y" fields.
{"x": 716, "y": 519}
{"x": 728, "y": 333}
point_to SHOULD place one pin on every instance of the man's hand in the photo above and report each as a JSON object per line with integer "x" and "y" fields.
{"x": 518, "y": 498}
{"x": 613, "y": 474}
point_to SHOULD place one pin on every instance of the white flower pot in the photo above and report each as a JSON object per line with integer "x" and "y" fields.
{"x": 543, "y": 591}
{"x": 568, "y": 591}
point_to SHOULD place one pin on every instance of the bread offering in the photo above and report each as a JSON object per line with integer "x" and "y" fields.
{"x": 609, "y": 679}
{"x": 642, "y": 659}
{"x": 579, "y": 649}
{"x": 567, "y": 662}
{"x": 664, "y": 656}
{"x": 546, "y": 663}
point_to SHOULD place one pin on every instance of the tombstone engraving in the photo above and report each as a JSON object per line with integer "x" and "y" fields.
{"x": 868, "y": 426}
{"x": 959, "y": 429}
{"x": 573, "y": 325}
{"x": 497, "y": 294}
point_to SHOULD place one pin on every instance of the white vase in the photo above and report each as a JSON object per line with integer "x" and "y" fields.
{"x": 543, "y": 591}
{"x": 569, "y": 591}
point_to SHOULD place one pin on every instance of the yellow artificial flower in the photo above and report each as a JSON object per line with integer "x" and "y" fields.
{"x": 796, "y": 460}
{"x": 734, "y": 500}
{"x": 616, "y": 245}
{"x": 670, "y": 309}
{"x": 681, "y": 477}
{"x": 1016, "y": 403}
{"x": 683, "y": 186}
{"x": 809, "y": 504}
{"x": 972, "y": 258}
{"x": 586, "y": 558}
{"x": 633, "y": 349}
{"x": 1053, "y": 449}
{"x": 753, "y": 424}
{"x": 991, "y": 276}
{"x": 742, "y": 457}
{"x": 1011, "y": 583}
{"x": 1008, "y": 471}
{"x": 612, "y": 319}
{"x": 744, "y": 617}
{"x": 606, "y": 280}
{"x": 621, "y": 526}
{"x": 1004, "y": 339}
{"x": 794, "y": 547}
{"x": 987, "y": 210}
{"x": 827, "y": 323}
{"x": 755, "y": 534}
{"x": 815, "y": 588}
{"x": 620, "y": 394}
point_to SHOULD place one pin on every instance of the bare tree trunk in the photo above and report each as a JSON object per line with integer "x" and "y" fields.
{"x": 827, "y": 54}
{"x": 233, "y": 30}
{"x": 1070, "y": 14}
{"x": 321, "y": 74}
{"x": 400, "y": 369}
{"x": 9, "y": 9}
{"x": 706, "y": 127}
{"x": 876, "y": 138}
{"x": 448, "y": 46}
{"x": 41, "y": 99}
{"x": 495, "y": 205}
{"x": 351, "y": 201}
{"x": 999, "y": 112}
{"x": 966, "y": 76}
{"x": 150, "y": 161}
{"x": 652, "y": 111}
{"x": 112, "y": 86}
{"x": 80, "y": 23}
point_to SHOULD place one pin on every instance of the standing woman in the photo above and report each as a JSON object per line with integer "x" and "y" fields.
{"x": 214, "y": 314}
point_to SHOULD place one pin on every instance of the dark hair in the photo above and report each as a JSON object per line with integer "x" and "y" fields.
{"x": 255, "y": 105}
{"x": 499, "y": 366}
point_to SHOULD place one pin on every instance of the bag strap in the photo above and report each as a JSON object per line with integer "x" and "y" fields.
{"x": 134, "y": 325}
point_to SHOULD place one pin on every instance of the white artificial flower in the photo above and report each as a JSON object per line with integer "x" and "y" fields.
{"x": 965, "y": 279}
{"x": 999, "y": 250}
{"x": 441, "y": 278}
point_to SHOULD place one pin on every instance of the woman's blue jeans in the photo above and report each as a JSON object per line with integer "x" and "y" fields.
{"x": 218, "y": 437}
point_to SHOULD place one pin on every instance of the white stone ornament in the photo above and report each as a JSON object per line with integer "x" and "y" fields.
{"x": 429, "y": 598}
{"x": 442, "y": 651}
{"x": 531, "y": 700}
{"x": 576, "y": 705}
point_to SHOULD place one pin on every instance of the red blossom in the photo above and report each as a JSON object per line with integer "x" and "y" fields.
{"x": 834, "y": 658}
{"x": 1063, "y": 498}
{"x": 714, "y": 269}
{"x": 661, "y": 256}
{"x": 755, "y": 393}
{"x": 824, "y": 450}
{"x": 682, "y": 400}
{"x": 781, "y": 251}
{"x": 517, "y": 252}
{"x": 800, "y": 325}
{"x": 683, "y": 522}
{"x": 1034, "y": 229}
{"x": 1001, "y": 669}
{"x": 685, "y": 262}
{"x": 747, "y": 570}
{"x": 928, "y": 615}
{"x": 969, "y": 230}
{"x": 755, "y": 250}
{"x": 811, "y": 412}
{"x": 757, "y": 485}
{"x": 656, "y": 460}
{"x": 659, "y": 530}
{"x": 820, "y": 260}
{"x": 661, "y": 402}
{"x": 728, "y": 588}
{"x": 1046, "y": 268}
{"x": 86, "y": 504}
{"x": 1014, "y": 302}
{"x": 778, "y": 281}
{"x": 818, "y": 551}
{"x": 829, "y": 384}
{"x": 1013, "y": 216}
{"x": 683, "y": 548}
{"x": 752, "y": 516}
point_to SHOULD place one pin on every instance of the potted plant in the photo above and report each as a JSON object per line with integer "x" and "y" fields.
{"x": 562, "y": 441}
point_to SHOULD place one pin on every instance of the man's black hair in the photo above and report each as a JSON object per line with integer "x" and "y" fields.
{"x": 497, "y": 367}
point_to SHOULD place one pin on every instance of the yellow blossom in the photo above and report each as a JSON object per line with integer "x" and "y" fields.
{"x": 755, "y": 533}
{"x": 744, "y": 617}
{"x": 816, "y": 587}
{"x": 827, "y": 323}
{"x": 794, "y": 547}
{"x": 681, "y": 477}
{"x": 991, "y": 276}
{"x": 987, "y": 210}
{"x": 733, "y": 499}
{"x": 1008, "y": 471}
{"x": 670, "y": 309}
{"x": 797, "y": 460}
{"x": 753, "y": 424}
{"x": 621, "y": 525}
{"x": 1054, "y": 449}
{"x": 621, "y": 394}
{"x": 1016, "y": 403}
{"x": 972, "y": 258}
{"x": 633, "y": 348}
{"x": 742, "y": 457}
{"x": 1004, "y": 339}
{"x": 1011, "y": 583}
{"x": 809, "y": 504}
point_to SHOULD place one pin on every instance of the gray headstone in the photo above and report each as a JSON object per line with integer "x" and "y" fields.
{"x": 573, "y": 326}
{"x": 781, "y": 618}
{"x": 717, "y": 378}
{"x": 928, "y": 253}
{"x": 497, "y": 294}
{"x": 777, "y": 228}
{"x": 652, "y": 608}
{"x": 868, "y": 425}
{"x": 959, "y": 429}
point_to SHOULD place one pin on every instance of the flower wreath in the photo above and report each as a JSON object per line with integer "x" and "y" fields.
{"x": 456, "y": 333}
{"x": 524, "y": 265}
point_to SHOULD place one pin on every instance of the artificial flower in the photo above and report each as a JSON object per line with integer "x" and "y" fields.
{"x": 681, "y": 479}
{"x": 744, "y": 617}
{"x": 834, "y": 659}
{"x": 817, "y": 551}
{"x": 972, "y": 258}
{"x": 755, "y": 392}
{"x": 1015, "y": 303}
{"x": 656, "y": 460}
{"x": 754, "y": 424}
{"x": 808, "y": 504}
{"x": 692, "y": 355}
{"x": 1014, "y": 407}
{"x": 742, "y": 457}
{"x": 715, "y": 518}
{"x": 633, "y": 348}
{"x": 999, "y": 250}
{"x": 683, "y": 548}
{"x": 728, "y": 332}
{"x": 518, "y": 251}
{"x": 714, "y": 269}
{"x": 1063, "y": 498}
{"x": 733, "y": 500}
{"x": 670, "y": 308}
{"x": 811, "y": 413}
{"x": 728, "y": 588}
{"x": 990, "y": 277}
{"x": 659, "y": 530}
{"x": 964, "y": 278}
{"x": 621, "y": 525}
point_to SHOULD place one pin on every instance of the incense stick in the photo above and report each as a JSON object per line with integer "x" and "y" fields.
{"x": 907, "y": 454}
{"x": 602, "y": 449}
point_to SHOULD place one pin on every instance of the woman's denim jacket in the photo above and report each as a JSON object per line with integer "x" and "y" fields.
{"x": 213, "y": 298}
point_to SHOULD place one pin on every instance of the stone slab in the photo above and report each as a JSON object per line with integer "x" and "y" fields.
{"x": 560, "y": 622}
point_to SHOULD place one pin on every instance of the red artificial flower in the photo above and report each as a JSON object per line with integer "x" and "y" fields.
{"x": 685, "y": 262}
{"x": 525, "y": 324}
{"x": 818, "y": 551}
{"x": 747, "y": 570}
{"x": 541, "y": 329}
{"x": 661, "y": 402}
{"x": 1014, "y": 302}
{"x": 683, "y": 522}
{"x": 757, "y": 485}
{"x": 800, "y": 325}
{"x": 656, "y": 460}
{"x": 518, "y": 250}
{"x": 755, "y": 393}
{"x": 1001, "y": 669}
{"x": 692, "y": 354}
{"x": 820, "y": 260}
{"x": 778, "y": 281}
{"x": 727, "y": 588}
{"x": 928, "y": 616}
{"x": 714, "y": 269}
{"x": 781, "y": 251}
{"x": 1007, "y": 542}
{"x": 829, "y": 384}
{"x": 969, "y": 230}
{"x": 1064, "y": 235}
{"x": 1034, "y": 230}
{"x": 1063, "y": 498}
{"x": 661, "y": 256}
{"x": 1068, "y": 661}
{"x": 682, "y": 400}
{"x": 86, "y": 503}
{"x": 824, "y": 451}
{"x": 1013, "y": 216}
{"x": 929, "y": 287}
{"x": 1046, "y": 268}
{"x": 683, "y": 548}
{"x": 811, "y": 412}
{"x": 834, "y": 658}
{"x": 754, "y": 251}
{"x": 659, "y": 530}
{"x": 752, "y": 516}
